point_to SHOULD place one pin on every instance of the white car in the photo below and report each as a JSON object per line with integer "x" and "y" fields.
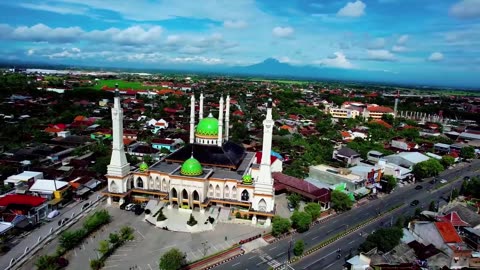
{"x": 443, "y": 181}
{"x": 53, "y": 214}
{"x": 129, "y": 206}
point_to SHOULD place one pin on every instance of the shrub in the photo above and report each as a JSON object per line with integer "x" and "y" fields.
{"x": 245, "y": 216}
{"x": 301, "y": 221}
{"x": 191, "y": 221}
{"x": 173, "y": 259}
{"x": 161, "y": 216}
{"x": 298, "y": 247}
{"x": 280, "y": 225}
{"x": 96, "y": 264}
{"x": 211, "y": 220}
{"x": 126, "y": 233}
{"x": 238, "y": 215}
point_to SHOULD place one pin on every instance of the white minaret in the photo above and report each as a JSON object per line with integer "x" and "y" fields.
{"x": 263, "y": 200}
{"x": 220, "y": 122}
{"x": 396, "y": 104}
{"x": 200, "y": 114}
{"x": 192, "y": 118}
{"x": 227, "y": 117}
{"x": 119, "y": 167}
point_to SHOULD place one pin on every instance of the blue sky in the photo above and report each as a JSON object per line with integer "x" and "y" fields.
{"x": 424, "y": 40}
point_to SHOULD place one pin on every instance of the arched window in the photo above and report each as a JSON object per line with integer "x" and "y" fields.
{"x": 113, "y": 187}
{"x": 262, "y": 205}
{"x": 174, "y": 193}
{"x": 210, "y": 190}
{"x": 184, "y": 195}
{"x": 139, "y": 182}
{"x": 157, "y": 183}
{"x": 164, "y": 185}
{"x": 150, "y": 183}
{"x": 234, "y": 193}
{"x": 226, "y": 192}
{"x": 195, "y": 196}
{"x": 245, "y": 195}
{"x": 217, "y": 191}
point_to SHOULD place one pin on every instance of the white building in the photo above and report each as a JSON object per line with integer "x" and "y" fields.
{"x": 208, "y": 170}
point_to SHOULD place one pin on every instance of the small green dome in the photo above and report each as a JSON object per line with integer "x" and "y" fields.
{"x": 143, "y": 166}
{"x": 247, "y": 179}
{"x": 191, "y": 167}
{"x": 207, "y": 126}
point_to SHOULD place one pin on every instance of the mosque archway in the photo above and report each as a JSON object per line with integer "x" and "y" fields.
{"x": 174, "y": 193}
{"x": 262, "y": 205}
{"x": 195, "y": 196}
{"x": 139, "y": 182}
{"x": 217, "y": 191}
{"x": 226, "y": 192}
{"x": 210, "y": 190}
{"x": 234, "y": 193}
{"x": 113, "y": 187}
{"x": 245, "y": 195}
{"x": 157, "y": 183}
{"x": 184, "y": 195}
{"x": 150, "y": 183}
{"x": 164, "y": 184}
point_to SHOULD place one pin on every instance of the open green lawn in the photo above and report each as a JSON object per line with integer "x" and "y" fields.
{"x": 121, "y": 84}
{"x": 279, "y": 81}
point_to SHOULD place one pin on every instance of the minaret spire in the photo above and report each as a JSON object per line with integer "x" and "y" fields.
{"x": 118, "y": 163}
{"x": 192, "y": 118}
{"x": 200, "y": 114}
{"x": 267, "y": 135}
{"x": 220, "y": 122}
{"x": 227, "y": 117}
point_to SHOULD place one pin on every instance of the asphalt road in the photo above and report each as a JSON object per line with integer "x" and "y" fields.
{"x": 275, "y": 254}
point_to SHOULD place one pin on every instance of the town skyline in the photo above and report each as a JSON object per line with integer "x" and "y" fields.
{"x": 383, "y": 40}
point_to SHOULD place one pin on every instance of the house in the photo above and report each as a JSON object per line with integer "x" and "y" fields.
{"x": 33, "y": 207}
{"x": 276, "y": 161}
{"x": 441, "y": 148}
{"x": 343, "y": 113}
{"x": 168, "y": 144}
{"x": 347, "y": 156}
{"x": 403, "y": 144}
{"x": 376, "y": 112}
{"x": 406, "y": 159}
{"x": 359, "y": 262}
{"x": 399, "y": 172}
{"x": 24, "y": 178}
{"x": 130, "y": 134}
{"x": 140, "y": 149}
{"x": 346, "y": 136}
{"x": 330, "y": 177}
{"x": 374, "y": 156}
{"x": 49, "y": 189}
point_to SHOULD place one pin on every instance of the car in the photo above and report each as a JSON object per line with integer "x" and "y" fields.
{"x": 443, "y": 181}
{"x": 414, "y": 203}
{"x": 85, "y": 205}
{"x": 135, "y": 207}
{"x": 129, "y": 206}
{"x": 139, "y": 210}
{"x": 53, "y": 214}
{"x": 290, "y": 207}
{"x": 418, "y": 187}
{"x": 63, "y": 221}
{"x": 123, "y": 205}
{"x": 144, "y": 204}
{"x": 466, "y": 178}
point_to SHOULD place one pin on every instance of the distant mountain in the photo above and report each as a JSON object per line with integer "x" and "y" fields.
{"x": 271, "y": 66}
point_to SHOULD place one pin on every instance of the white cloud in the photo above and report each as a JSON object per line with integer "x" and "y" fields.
{"x": 352, "y": 9}
{"x": 435, "y": 57}
{"x": 397, "y": 48}
{"x": 402, "y": 39}
{"x": 466, "y": 9}
{"x": 129, "y": 36}
{"x": 58, "y": 8}
{"x": 239, "y": 24}
{"x": 283, "y": 31}
{"x": 196, "y": 59}
{"x": 339, "y": 61}
{"x": 377, "y": 43}
{"x": 31, "y": 52}
{"x": 380, "y": 55}
{"x": 41, "y": 32}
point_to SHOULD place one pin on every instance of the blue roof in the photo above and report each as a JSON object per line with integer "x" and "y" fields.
{"x": 277, "y": 155}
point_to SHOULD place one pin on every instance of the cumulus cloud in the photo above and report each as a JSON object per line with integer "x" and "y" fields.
{"x": 402, "y": 39}
{"x": 283, "y": 31}
{"x": 377, "y": 43}
{"x": 380, "y": 55}
{"x": 196, "y": 59}
{"x": 352, "y": 9}
{"x": 466, "y": 9}
{"x": 30, "y": 52}
{"x": 339, "y": 61}
{"x": 397, "y": 48}
{"x": 129, "y": 36}
{"x": 435, "y": 57}
{"x": 239, "y": 24}
{"x": 41, "y": 32}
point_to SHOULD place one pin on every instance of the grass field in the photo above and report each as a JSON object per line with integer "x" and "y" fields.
{"x": 121, "y": 84}
{"x": 279, "y": 81}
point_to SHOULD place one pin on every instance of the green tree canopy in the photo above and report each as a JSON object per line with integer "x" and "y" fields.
{"x": 314, "y": 209}
{"x": 471, "y": 187}
{"x": 447, "y": 161}
{"x": 294, "y": 199}
{"x": 280, "y": 225}
{"x": 340, "y": 201}
{"x": 427, "y": 168}
{"x": 389, "y": 184}
{"x": 384, "y": 239}
{"x": 173, "y": 259}
{"x": 301, "y": 221}
{"x": 298, "y": 247}
{"x": 467, "y": 152}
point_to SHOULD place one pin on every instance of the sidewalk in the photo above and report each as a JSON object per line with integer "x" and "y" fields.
{"x": 216, "y": 260}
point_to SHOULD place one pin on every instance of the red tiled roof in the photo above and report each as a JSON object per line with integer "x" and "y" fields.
{"x": 32, "y": 201}
{"x": 448, "y": 233}
{"x": 258, "y": 158}
{"x": 283, "y": 181}
{"x": 454, "y": 219}
{"x": 381, "y": 122}
{"x": 380, "y": 109}
{"x": 127, "y": 141}
{"x": 238, "y": 112}
{"x": 345, "y": 134}
{"x": 52, "y": 130}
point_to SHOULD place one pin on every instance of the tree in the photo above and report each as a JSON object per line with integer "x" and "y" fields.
{"x": 103, "y": 247}
{"x": 46, "y": 262}
{"x": 101, "y": 164}
{"x": 191, "y": 221}
{"x": 447, "y": 161}
{"x": 298, "y": 247}
{"x": 126, "y": 233}
{"x": 148, "y": 159}
{"x": 467, "y": 152}
{"x": 280, "y": 225}
{"x": 472, "y": 187}
{"x": 294, "y": 200}
{"x": 340, "y": 201}
{"x": 384, "y": 239}
{"x": 114, "y": 238}
{"x": 314, "y": 209}
{"x": 432, "y": 207}
{"x": 174, "y": 259}
{"x": 400, "y": 222}
{"x": 427, "y": 168}
{"x": 301, "y": 221}
{"x": 387, "y": 118}
{"x": 389, "y": 184}
{"x": 455, "y": 194}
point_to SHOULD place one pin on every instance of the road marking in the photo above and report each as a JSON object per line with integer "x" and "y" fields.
{"x": 140, "y": 233}
{"x": 252, "y": 257}
{"x": 75, "y": 251}
{"x": 110, "y": 266}
{"x": 119, "y": 255}
{"x": 272, "y": 248}
{"x": 150, "y": 266}
{"x": 315, "y": 237}
{"x": 352, "y": 241}
{"x": 233, "y": 265}
{"x": 280, "y": 254}
{"x": 328, "y": 266}
{"x": 334, "y": 221}
{"x": 320, "y": 259}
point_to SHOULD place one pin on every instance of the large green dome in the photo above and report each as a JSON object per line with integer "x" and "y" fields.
{"x": 143, "y": 167}
{"x": 191, "y": 167}
{"x": 207, "y": 126}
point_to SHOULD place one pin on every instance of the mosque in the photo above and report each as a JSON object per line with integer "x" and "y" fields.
{"x": 208, "y": 170}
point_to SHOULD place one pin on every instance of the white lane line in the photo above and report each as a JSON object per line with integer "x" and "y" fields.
{"x": 272, "y": 248}
{"x": 315, "y": 237}
{"x": 140, "y": 233}
{"x": 320, "y": 259}
{"x": 252, "y": 257}
{"x": 110, "y": 266}
{"x": 150, "y": 266}
{"x": 233, "y": 265}
{"x": 354, "y": 240}
{"x": 280, "y": 254}
{"x": 328, "y": 266}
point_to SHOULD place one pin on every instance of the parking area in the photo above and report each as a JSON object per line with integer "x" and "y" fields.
{"x": 282, "y": 209}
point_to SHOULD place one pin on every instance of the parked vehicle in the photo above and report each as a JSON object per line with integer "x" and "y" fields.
{"x": 290, "y": 207}
{"x": 123, "y": 205}
{"x": 418, "y": 187}
{"x": 144, "y": 204}
{"x": 414, "y": 203}
{"x": 443, "y": 181}
{"x": 129, "y": 206}
{"x": 53, "y": 214}
{"x": 139, "y": 211}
